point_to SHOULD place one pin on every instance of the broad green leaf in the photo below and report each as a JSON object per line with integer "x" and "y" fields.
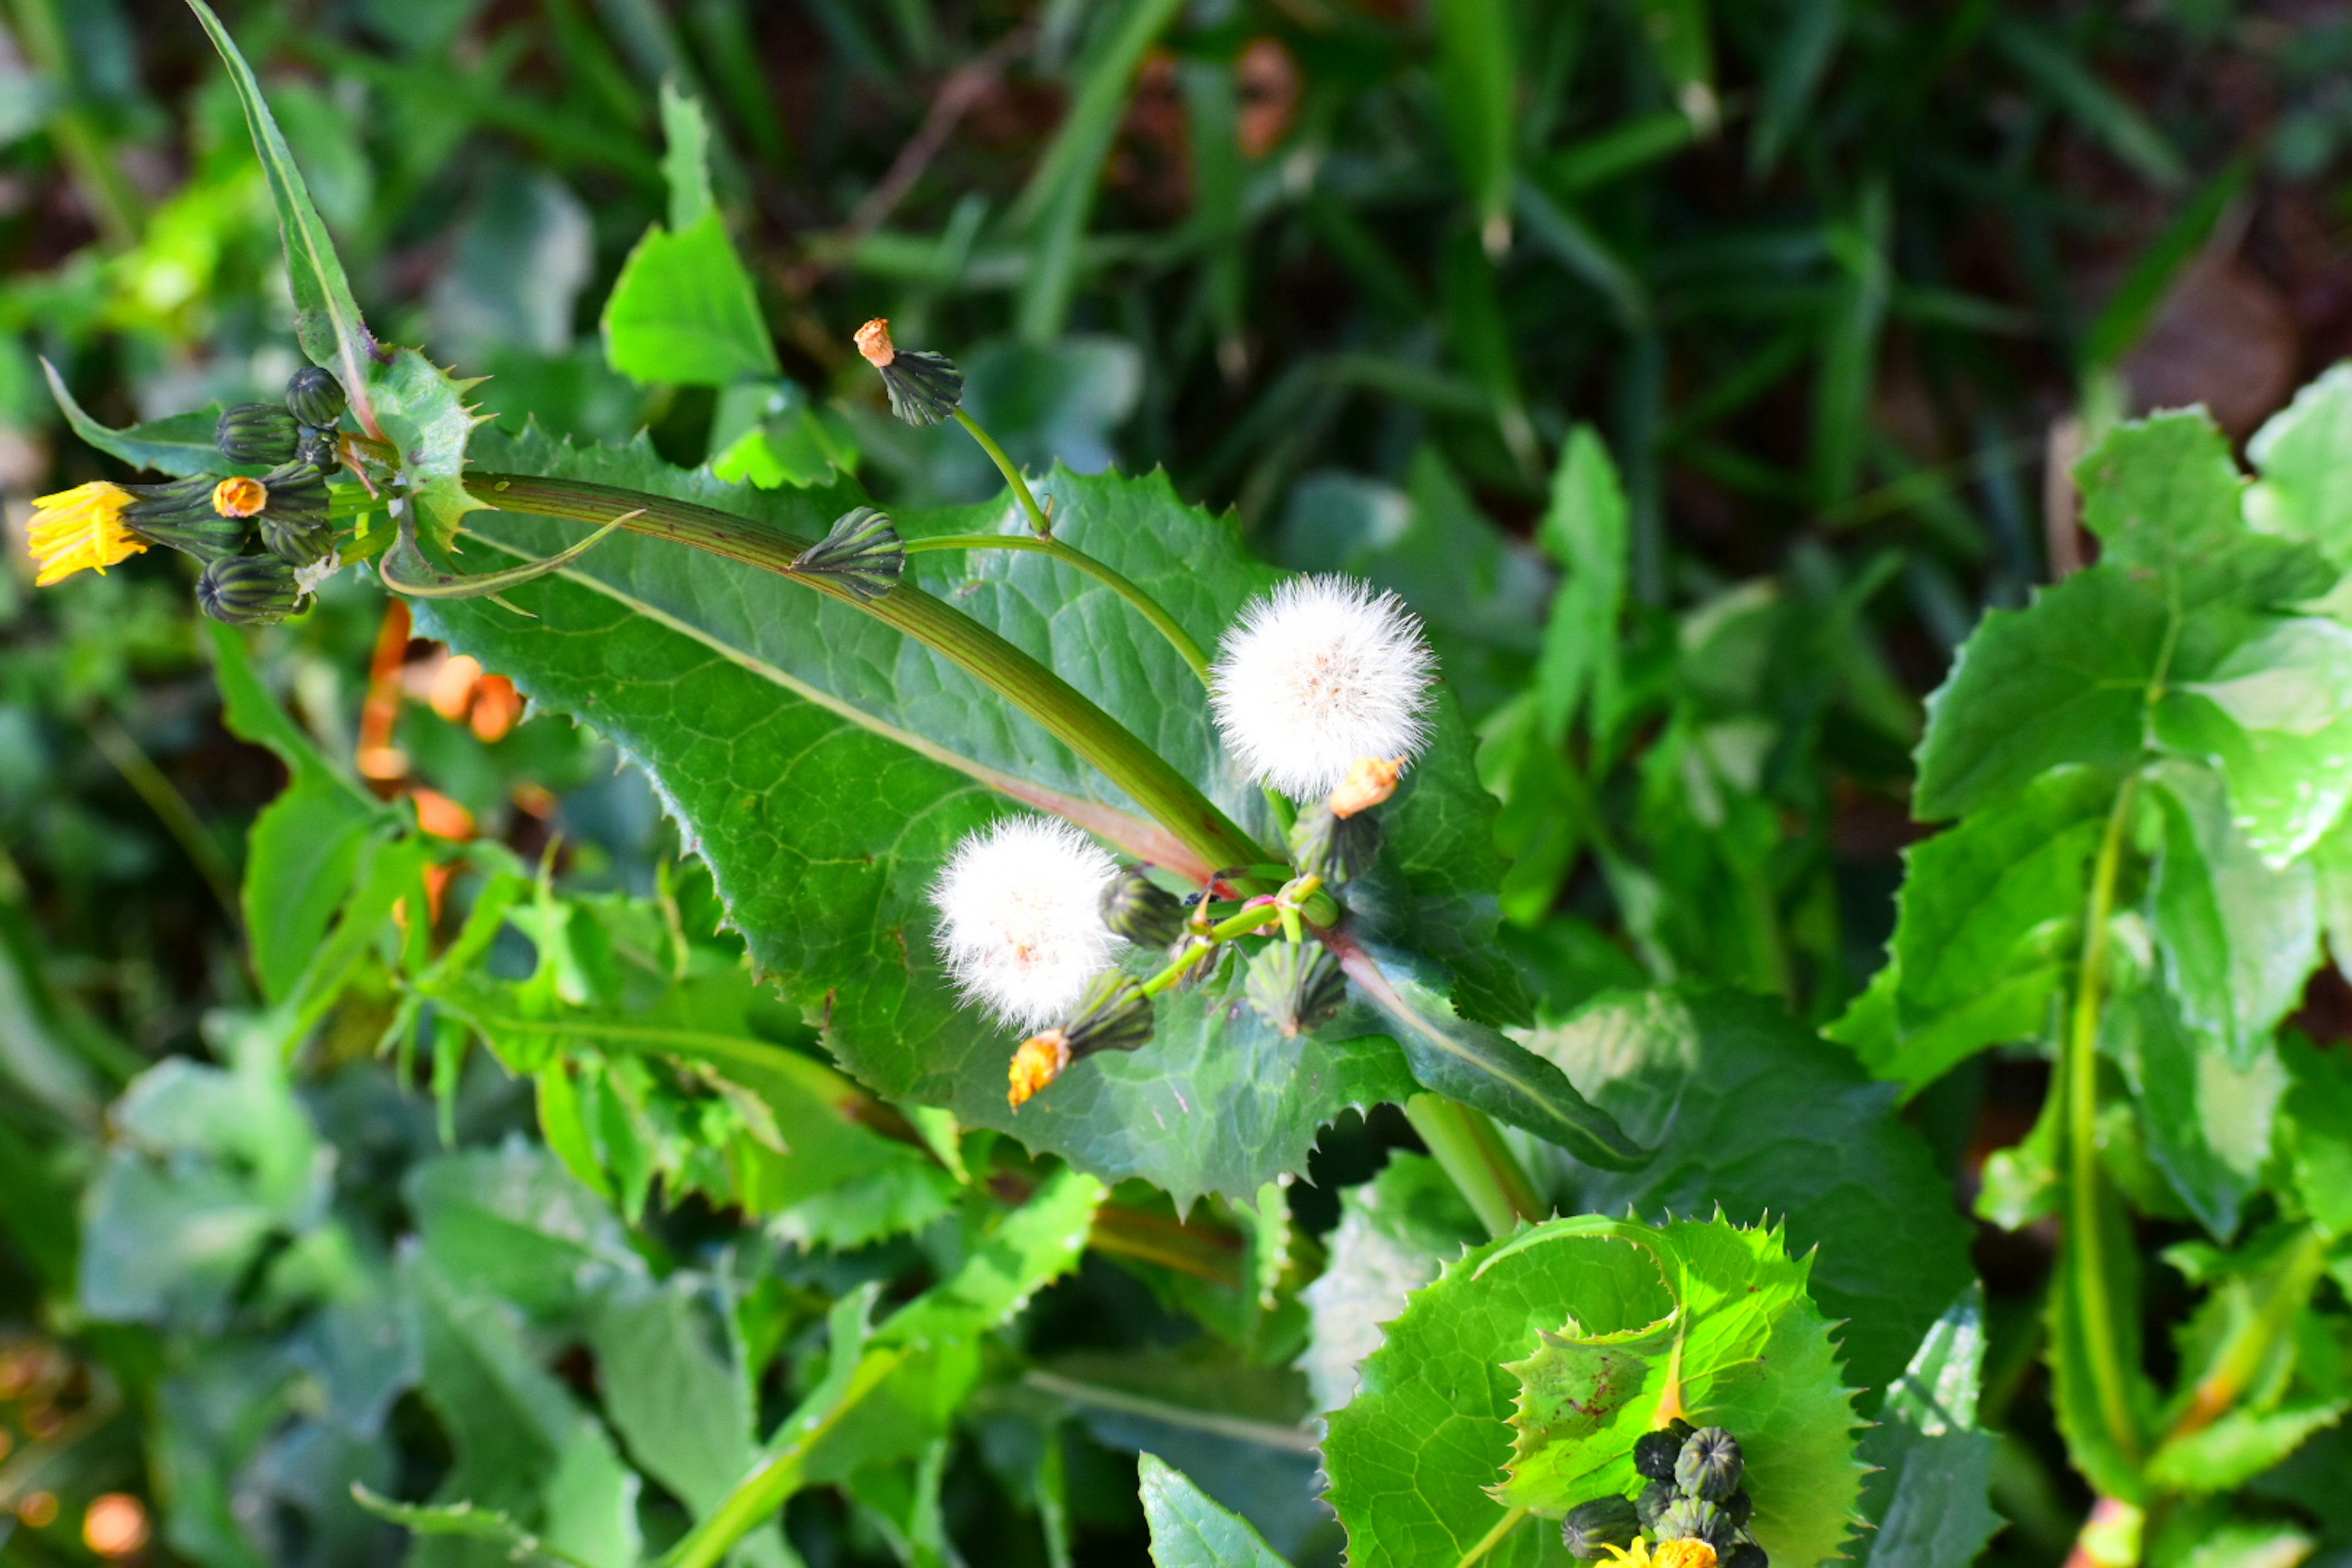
{"x": 1584, "y": 530}
{"x": 1986, "y": 928}
{"x": 1482, "y": 1371}
{"x": 2305, "y": 487}
{"x": 1188, "y": 1530}
{"x": 513, "y": 1223}
{"x": 1929, "y": 1494}
{"x": 326, "y": 317}
{"x": 524, "y": 1449}
{"x": 423, "y": 412}
{"x": 463, "y": 1519}
{"x": 2062, "y": 680}
{"x": 179, "y": 444}
{"x": 2269, "y": 705}
{"x": 1396, "y": 1232}
{"x": 2317, "y": 1137}
{"x": 2236, "y": 937}
{"x": 683, "y": 309}
{"x": 2205, "y": 1118}
{"x": 826, "y": 768}
{"x": 304, "y": 852}
{"x": 1751, "y": 1111}
{"x": 2163, "y": 495}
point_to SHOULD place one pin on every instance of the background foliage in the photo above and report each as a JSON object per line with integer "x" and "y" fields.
{"x": 1700, "y": 372}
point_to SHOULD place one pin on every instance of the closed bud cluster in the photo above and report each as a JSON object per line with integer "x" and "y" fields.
{"x": 1590, "y": 1527}
{"x": 924, "y": 388}
{"x": 1115, "y": 1015}
{"x": 1295, "y": 985}
{"x": 249, "y": 590}
{"x": 1694, "y": 1505}
{"x": 1695, "y": 1519}
{"x": 1709, "y": 1466}
{"x": 862, "y": 553}
{"x": 293, "y": 515}
{"x": 263, "y": 432}
{"x": 1142, "y": 912}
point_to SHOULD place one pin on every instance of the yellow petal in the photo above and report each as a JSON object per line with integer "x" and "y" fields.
{"x": 80, "y": 528}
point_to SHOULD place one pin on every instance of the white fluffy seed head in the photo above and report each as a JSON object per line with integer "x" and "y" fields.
{"x": 1020, "y": 922}
{"x": 1316, "y": 675}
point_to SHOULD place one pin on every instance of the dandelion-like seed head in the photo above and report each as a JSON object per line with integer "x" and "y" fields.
{"x": 81, "y": 529}
{"x": 1318, "y": 675}
{"x": 1021, "y": 923}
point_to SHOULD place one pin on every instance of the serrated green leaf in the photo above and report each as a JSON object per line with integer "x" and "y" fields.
{"x": 2162, "y": 495}
{"x": 748, "y": 700}
{"x": 2267, "y": 700}
{"x": 683, "y": 311}
{"x": 2240, "y": 1444}
{"x": 2236, "y": 937}
{"x": 1986, "y": 926}
{"x": 178, "y": 444}
{"x": 326, "y": 317}
{"x": 524, "y": 1448}
{"x": 1584, "y": 529}
{"x": 686, "y": 156}
{"x": 1749, "y": 1110}
{"x": 1395, "y": 1233}
{"x": 1415, "y": 1457}
{"x": 1930, "y": 1494}
{"x": 514, "y": 1224}
{"x": 2305, "y": 487}
{"x": 422, "y": 411}
{"x": 463, "y": 1519}
{"x": 1188, "y": 1530}
{"x": 2318, "y": 1135}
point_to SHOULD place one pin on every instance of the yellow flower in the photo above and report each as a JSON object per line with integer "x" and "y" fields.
{"x": 81, "y": 528}
{"x": 1669, "y": 1555}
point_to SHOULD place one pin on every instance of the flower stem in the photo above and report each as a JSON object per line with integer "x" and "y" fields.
{"x": 1252, "y": 919}
{"x": 1470, "y": 1149}
{"x": 1043, "y": 524}
{"x": 1171, "y": 799}
{"x": 2096, "y": 1305}
{"x": 1071, "y": 556}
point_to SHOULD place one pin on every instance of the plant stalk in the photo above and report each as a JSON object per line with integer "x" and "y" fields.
{"x": 1038, "y": 519}
{"x": 1071, "y": 556}
{"x": 1169, "y": 797}
{"x": 1470, "y": 1148}
{"x": 2109, "y": 1377}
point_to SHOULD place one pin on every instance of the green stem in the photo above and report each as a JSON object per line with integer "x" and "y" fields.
{"x": 1170, "y": 798}
{"x": 2080, "y": 1073}
{"x": 778, "y": 1475}
{"x": 1038, "y": 521}
{"x": 1224, "y": 930}
{"x": 1468, "y": 1145}
{"x": 171, "y": 807}
{"x": 1071, "y": 556}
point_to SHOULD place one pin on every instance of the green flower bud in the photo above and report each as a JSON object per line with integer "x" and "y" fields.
{"x": 1141, "y": 911}
{"x": 1708, "y": 1465}
{"x": 1738, "y": 1508}
{"x": 249, "y": 590}
{"x": 1695, "y": 1519}
{"x": 1655, "y": 1453}
{"x": 1604, "y": 1521}
{"x": 1655, "y": 1498}
{"x": 1746, "y": 1554}
{"x": 317, "y": 449}
{"x": 316, "y": 398}
{"x": 183, "y": 517}
{"x": 924, "y": 388}
{"x": 862, "y": 553}
{"x": 293, "y": 516}
{"x": 255, "y": 433}
{"x": 1334, "y": 847}
{"x": 1295, "y": 985}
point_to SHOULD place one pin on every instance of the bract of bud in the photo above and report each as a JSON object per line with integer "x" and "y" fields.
{"x": 924, "y": 388}
{"x": 862, "y": 552}
{"x": 1332, "y": 847}
{"x": 1655, "y": 1453}
{"x": 1738, "y": 1508}
{"x": 316, "y": 398}
{"x": 319, "y": 449}
{"x": 1695, "y": 1519}
{"x": 182, "y": 516}
{"x": 1602, "y": 1522}
{"x": 257, "y": 432}
{"x": 1369, "y": 782}
{"x": 249, "y": 590}
{"x": 1295, "y": 985}
{"x": 1654, "y": 1501}
{"x": 1143, "y": 911}
{"x": 1114, "y": 1015}
{"x": 293, "y": 517}
{"x": 1709, "y": 1466}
